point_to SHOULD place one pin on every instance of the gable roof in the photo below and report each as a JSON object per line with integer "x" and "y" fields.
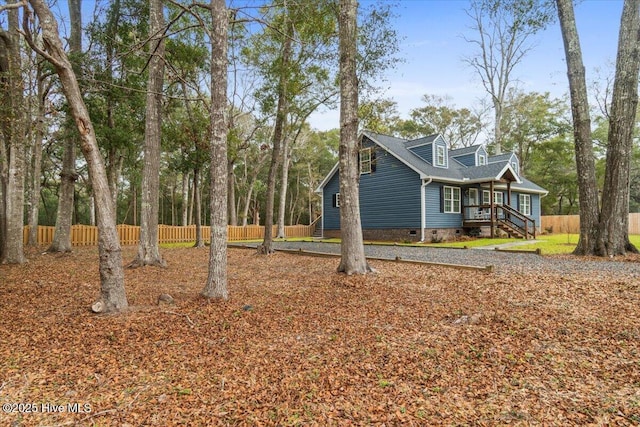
{"x": 505, "y": 157}
{"x": 421, "y": 141}
{"x": 456, "y": 173}
{"x": 465, "y": 150}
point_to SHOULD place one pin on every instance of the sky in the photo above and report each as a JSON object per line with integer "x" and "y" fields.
{"x": 433, "y": 48}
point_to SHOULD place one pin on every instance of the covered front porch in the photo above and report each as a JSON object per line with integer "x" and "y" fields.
{"x": 484, "y": 205}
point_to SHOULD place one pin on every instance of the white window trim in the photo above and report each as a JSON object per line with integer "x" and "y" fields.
{"x": 337, "y": 200}
{"x": 444, "y": 156}
{"x": 482, "y": 160}
{"x": 485, "y": 197}
{"x": 514, "y": 165}
{"x": 453, "y": 199}
{"x": 495, "y": 198}
{"x": 523, "y": 197}
{"x": 367, "y": 163}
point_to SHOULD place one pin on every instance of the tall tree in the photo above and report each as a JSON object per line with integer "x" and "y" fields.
{"x": 503, "y": 32}
{"x": 353, "y": 260}
{"x": 117, "y": 102}
{"x": 148, "y": 250}
{"x": 614, "y": 227}
{"x": 64, "y": 219}
{"x": 585, "y": 164}
{"x": 113, "y": 297}
{"x": 604, "y": 230}
{"x": 278, "y": 133}
{"x": 216, "y": 286}
{"x": 530, "y": 119}
{"x": 14, "y": 144}
{"x": 41, "y": 86}
{"x": 460, "y": 126}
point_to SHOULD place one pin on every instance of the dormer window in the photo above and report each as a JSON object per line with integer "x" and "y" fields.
{"x": 440, "y": 156}
{"x": 482, "y": 160}
{"x": 365, "y": 160}
{"x": 514, "y": 165}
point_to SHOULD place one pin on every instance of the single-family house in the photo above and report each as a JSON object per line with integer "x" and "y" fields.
{"x": 420, "y": 190}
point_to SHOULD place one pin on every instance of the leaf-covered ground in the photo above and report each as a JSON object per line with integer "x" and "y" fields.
{"x": 298, "y": 344}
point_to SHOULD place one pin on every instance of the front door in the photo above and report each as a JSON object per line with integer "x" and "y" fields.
{"x": 474, "y": 201}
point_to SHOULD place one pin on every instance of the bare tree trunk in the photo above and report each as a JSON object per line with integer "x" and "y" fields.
{"x": 148, "y": 249}
{"x": 197, "y": 208}
{"x": 503, "y": 29}
{"x": 62, "y": 236}
{"x": 293, "y": 203}
{"x": 113, "y": 297}
{"x": 134, "y": 197}
{"x": 247, "y": 203}
{"x": 587, "y": 184}
{"x": 36, "y": 165}
{"x": 231, "y": 203}
{"x": 64, "y": 219}
{"x": 13, "y": 251}
{"x": 284, "y": 183}
{"x": 614, "y": 217}
{"x": 113, "y": 169}
{"x": 185, "y": 199}
{"x": 5, "y": 134}
{"x": 92, "y": 209}
{"x": 353, "y": 260}
{"x": 278, "y": 134}
{"x": 216, "y": 286}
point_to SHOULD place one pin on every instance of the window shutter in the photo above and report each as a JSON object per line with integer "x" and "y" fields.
{"x": 518, "y": 203}
{"x": 441, "y": 199}
{"x": 334, "y": 200}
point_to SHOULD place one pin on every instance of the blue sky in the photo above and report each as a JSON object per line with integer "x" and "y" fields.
{"x": 433, "y": 48}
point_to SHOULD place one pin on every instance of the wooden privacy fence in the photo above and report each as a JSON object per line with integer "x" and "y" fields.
{"x": 571, "y": 223}
{"x": 86, "y": 235}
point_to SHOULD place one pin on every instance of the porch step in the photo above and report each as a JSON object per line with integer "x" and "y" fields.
{"x": 510, "y": 230}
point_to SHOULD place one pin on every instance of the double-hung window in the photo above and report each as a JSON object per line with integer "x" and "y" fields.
{"x": 482, "y": 160}
{"x": 440, "y": 156}
{"x": 525, "y": 204}
{"x": 498, "y": 197}
{"x": 365, "y": 160}
{"x": 451, "y": 199}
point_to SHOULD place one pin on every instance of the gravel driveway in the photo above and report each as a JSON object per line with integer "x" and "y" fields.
{"x": 503, "y": 262}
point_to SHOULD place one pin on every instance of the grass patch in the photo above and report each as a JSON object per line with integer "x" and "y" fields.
{"x": 556, "y": 244}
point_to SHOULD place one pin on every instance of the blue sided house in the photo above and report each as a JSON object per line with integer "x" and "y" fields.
{"x": 420, "y": 190}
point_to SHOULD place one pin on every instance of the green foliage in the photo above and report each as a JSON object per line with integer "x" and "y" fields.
{"x": 530, "y": 118}
{"x": 460, "y": 126}
{"x": 380, "y": 116}
{"x": 116, "y": 101}
{"x": 553, "y": 167}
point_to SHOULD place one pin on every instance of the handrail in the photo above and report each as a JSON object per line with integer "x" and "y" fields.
{"x": 316, "y": 220}
{"x": 523, "y": 229}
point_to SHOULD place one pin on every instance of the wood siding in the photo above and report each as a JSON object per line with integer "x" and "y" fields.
{"x": 424, "y": 151}
{"x": 389, "y": 197}
{"x": 435, "y": 217}
{"x": 467, "y": 159}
